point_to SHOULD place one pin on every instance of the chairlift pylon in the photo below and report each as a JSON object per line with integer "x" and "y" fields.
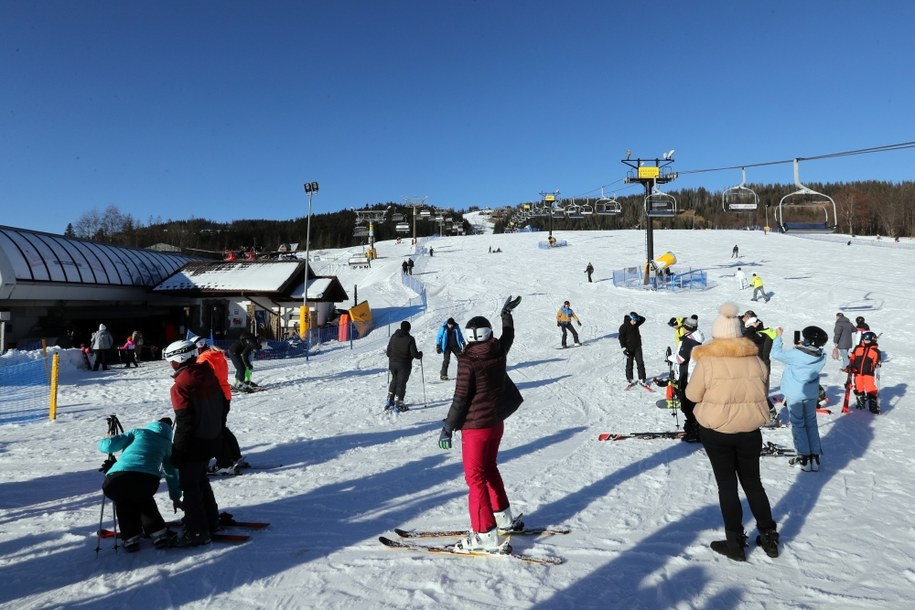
{"x": 805, "y": 197}
{"x": 740, "y": 198}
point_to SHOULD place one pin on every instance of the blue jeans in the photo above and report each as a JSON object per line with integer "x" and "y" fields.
{"x": 844, "y": 354}
{"x": 804, "y": 430}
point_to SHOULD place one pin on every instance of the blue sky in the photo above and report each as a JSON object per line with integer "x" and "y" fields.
{"x": 223, "y": 110}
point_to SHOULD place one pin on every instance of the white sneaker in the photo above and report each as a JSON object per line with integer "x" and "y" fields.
{"x": 815, "y": 463}
{"x": 485, "y": 542}
{"x": 506, "y": 523}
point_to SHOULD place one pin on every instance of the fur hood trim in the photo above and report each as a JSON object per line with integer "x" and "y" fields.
{"x": 741, "y": 347}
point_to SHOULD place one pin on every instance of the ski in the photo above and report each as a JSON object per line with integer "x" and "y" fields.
{"x": 848, "y": 385}
{"x": 238, "y": 471}
{"x": 613, "y": 436}
{"x": 217, "y": 537}
{"x": 770, "y": 449}
{"x": 528, "y": 531}
{"x": 227, "y": 520}
{"x": 444, "y": 550}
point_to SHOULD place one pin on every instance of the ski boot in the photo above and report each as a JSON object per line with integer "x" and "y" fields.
{"x": 860, "y": 400}
{"x": 484, "y": 542}
{"x": 132, "y": 544}
{"x": 443, "y": 377}
{"x": 873, "y": 404}
{"x": 399, "y": 406}
{"x": 507, "y": 523}
{"x": 389, "y": 403}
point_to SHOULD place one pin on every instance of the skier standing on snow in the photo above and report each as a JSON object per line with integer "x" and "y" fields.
{"x": 756, "y": 331}
{"x": 741, "y": 278}
{"x": 133, "y": 480}
{"x": 864, "y": 362}
{"x": 564, "y": 318}
{"x": 129, "y": 352}
{"x": 631, "y": 342}
{"x": 228, "y": 458}
{"x": 198, "y": 402}
{"x": 729, "y": 388}
{"x": 735, "y": 251}
{"x": 758, "y": 290}
{"x": 241, "y": 352}
{"x": 401, "y": 351}
{"x": 801, "y": 386}
{"x": 484, "y": 396}
{"x": 692, "y": 338}
{"x": 589, "y": 270}
{"x": 842, "y": 337}
{"x": 449, "y": 341}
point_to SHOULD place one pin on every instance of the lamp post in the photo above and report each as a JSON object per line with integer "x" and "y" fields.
{"x": 304, "y": 318}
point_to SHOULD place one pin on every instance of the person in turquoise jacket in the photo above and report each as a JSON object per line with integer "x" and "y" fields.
{"x": 133, "y": 480}
{"x": 801, "y": 386}
{"x": 449, "y": 341}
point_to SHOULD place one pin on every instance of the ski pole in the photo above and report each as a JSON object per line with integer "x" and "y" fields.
{"x": 422, "y": 376}
{"x": 101, "y": 518}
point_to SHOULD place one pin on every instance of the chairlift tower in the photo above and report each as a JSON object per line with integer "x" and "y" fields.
{"x": 548, "y": 200}
{"x": 649, "y": 176}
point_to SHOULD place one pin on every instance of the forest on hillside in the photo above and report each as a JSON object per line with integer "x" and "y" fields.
{"x": 862, "y": 208}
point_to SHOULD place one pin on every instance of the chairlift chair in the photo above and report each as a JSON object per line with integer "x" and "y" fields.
{"x": 660, "y": 204}
{"x": 587, "y": 209}
{"x": 425, "y": 214}
{"x": 740, "y": 198}
{"x": 606, "y": 206}
{"x": 805, "y": 197}
{"x": 402, "y": 227}
{"x": 573, "y": 211}
{"x": 397, "y": 217}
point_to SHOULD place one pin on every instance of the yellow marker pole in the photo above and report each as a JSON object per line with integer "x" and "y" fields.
{"x": 55, "y": 369}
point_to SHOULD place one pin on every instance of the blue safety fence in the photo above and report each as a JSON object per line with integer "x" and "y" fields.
{"x": 557, "y": 243}
{"x": 25, "y": 392}
{"x": 632, "y": 277}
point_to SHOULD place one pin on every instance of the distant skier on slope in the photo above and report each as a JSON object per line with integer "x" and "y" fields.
{"x": 564, "y": 318}
{"x": 401, "y": 352}
{"x": 631, "y": 342}
{"x": 448, "y": 341}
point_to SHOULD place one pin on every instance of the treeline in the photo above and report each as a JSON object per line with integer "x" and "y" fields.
{"x": 863, "y": 208}
{"x": 330, "y": 230}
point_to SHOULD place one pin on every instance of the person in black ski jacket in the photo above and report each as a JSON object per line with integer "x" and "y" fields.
{"x": 756, "y": 331}
{"x": 631, "y": 342}
{"x": 241, "y": 354}
{"x": 692, "y": 337}
{"x": 401, "y": 352}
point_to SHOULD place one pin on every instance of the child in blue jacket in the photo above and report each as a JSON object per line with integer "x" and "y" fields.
{"x": 133, "y": 480}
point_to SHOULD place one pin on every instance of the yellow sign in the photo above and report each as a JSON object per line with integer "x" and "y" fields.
{"x": 549, "y": 198}
{"x": 649, "y": 171}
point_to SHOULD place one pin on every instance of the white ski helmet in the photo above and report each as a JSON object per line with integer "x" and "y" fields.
{"x": 180, "y": 352}
{"x": 478, "y": 329}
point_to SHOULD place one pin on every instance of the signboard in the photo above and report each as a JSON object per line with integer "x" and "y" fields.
{"x": 549, "y": 198}
{"x": 649, "y": 171}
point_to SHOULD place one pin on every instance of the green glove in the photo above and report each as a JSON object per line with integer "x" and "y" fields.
{"x": 444, "y": 438}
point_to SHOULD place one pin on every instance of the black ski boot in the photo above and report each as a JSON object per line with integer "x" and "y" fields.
{"x": 768, "y": 540}
{"x": 690, "y": 432}
{"x": 873, "y": 404}
{"x": 732, "y": 548}
{"x": 860, "y": 400}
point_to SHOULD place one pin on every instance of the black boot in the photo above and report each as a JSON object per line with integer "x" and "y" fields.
{"x": 768, "y": 540}
{"x": 873, "y": 404}
{"x": 859, "y": 400}
{"x": 732, "y": 548}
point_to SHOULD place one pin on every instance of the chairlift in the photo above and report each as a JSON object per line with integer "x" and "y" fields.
{"x": 573, "y": 211}
{"x": 607, "y": 207}
{"x": 587, "y": 209}
{"x": 397, "y": 217}
{"x": 402, "y": 227}
{"x": 740, "y": 198}
{"x": 425, "y": 214}
{"x": 660, "y": 204}
{"x": 808, "y": 198}
{"x": 360, "y": 231}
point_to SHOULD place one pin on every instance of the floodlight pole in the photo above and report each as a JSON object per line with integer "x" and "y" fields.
{"x": 649, "y": 175}
{"x": 305, "y": 317}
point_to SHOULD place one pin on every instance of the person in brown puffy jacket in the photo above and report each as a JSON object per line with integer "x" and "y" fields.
{"x": 728, "y": 386}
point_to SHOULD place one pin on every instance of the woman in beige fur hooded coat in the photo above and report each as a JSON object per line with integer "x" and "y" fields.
{"x": 728, "y": 386}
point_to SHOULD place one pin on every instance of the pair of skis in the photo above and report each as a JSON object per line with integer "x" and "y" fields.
{"x": 225, "y": 520}
{"x": 646, "y": 436}
{"x": 406, "y": 542}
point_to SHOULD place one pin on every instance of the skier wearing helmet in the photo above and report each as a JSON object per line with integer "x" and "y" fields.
{"x": 801, "y": 386}
{"x": 484, "y": 396}
{"x": 864, "y": 362}
{"x": 198, "y": 401}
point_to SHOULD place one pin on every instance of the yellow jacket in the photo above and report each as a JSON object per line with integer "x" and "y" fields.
{"x": 566, "y": 315}
{"x": 756, "y": 282}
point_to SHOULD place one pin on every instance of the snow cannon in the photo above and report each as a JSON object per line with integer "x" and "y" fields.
{"x": 665, "y": 260}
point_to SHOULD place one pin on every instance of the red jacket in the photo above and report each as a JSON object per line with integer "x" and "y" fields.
{"x": 198, "y": 402}
{"x": 864, "y": 359}
{"x": 217, "y": 360}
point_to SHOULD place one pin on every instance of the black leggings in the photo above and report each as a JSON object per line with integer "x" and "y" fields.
{"x": 735, "y": 457}
{"x": 133, "y": 494}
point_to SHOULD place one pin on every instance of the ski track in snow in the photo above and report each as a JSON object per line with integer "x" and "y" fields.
{"x": 642, "y": 512}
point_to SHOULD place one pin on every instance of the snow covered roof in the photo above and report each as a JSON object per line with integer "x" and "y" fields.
{"x": 281, "y": 280}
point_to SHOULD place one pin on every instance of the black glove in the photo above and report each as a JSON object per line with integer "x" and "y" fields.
{"x": 444, "y": 437}
{"x": 510, "y": 304}
{"x": 579, "y": 322}
{"x": 176, "y": 504}
{"x": 626, "y": 352}
{"x": 420, "y": 355}
{"x": 438, "y": 349}
{"x": 559, "y": 324}
{"x": 107, "y": 464}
